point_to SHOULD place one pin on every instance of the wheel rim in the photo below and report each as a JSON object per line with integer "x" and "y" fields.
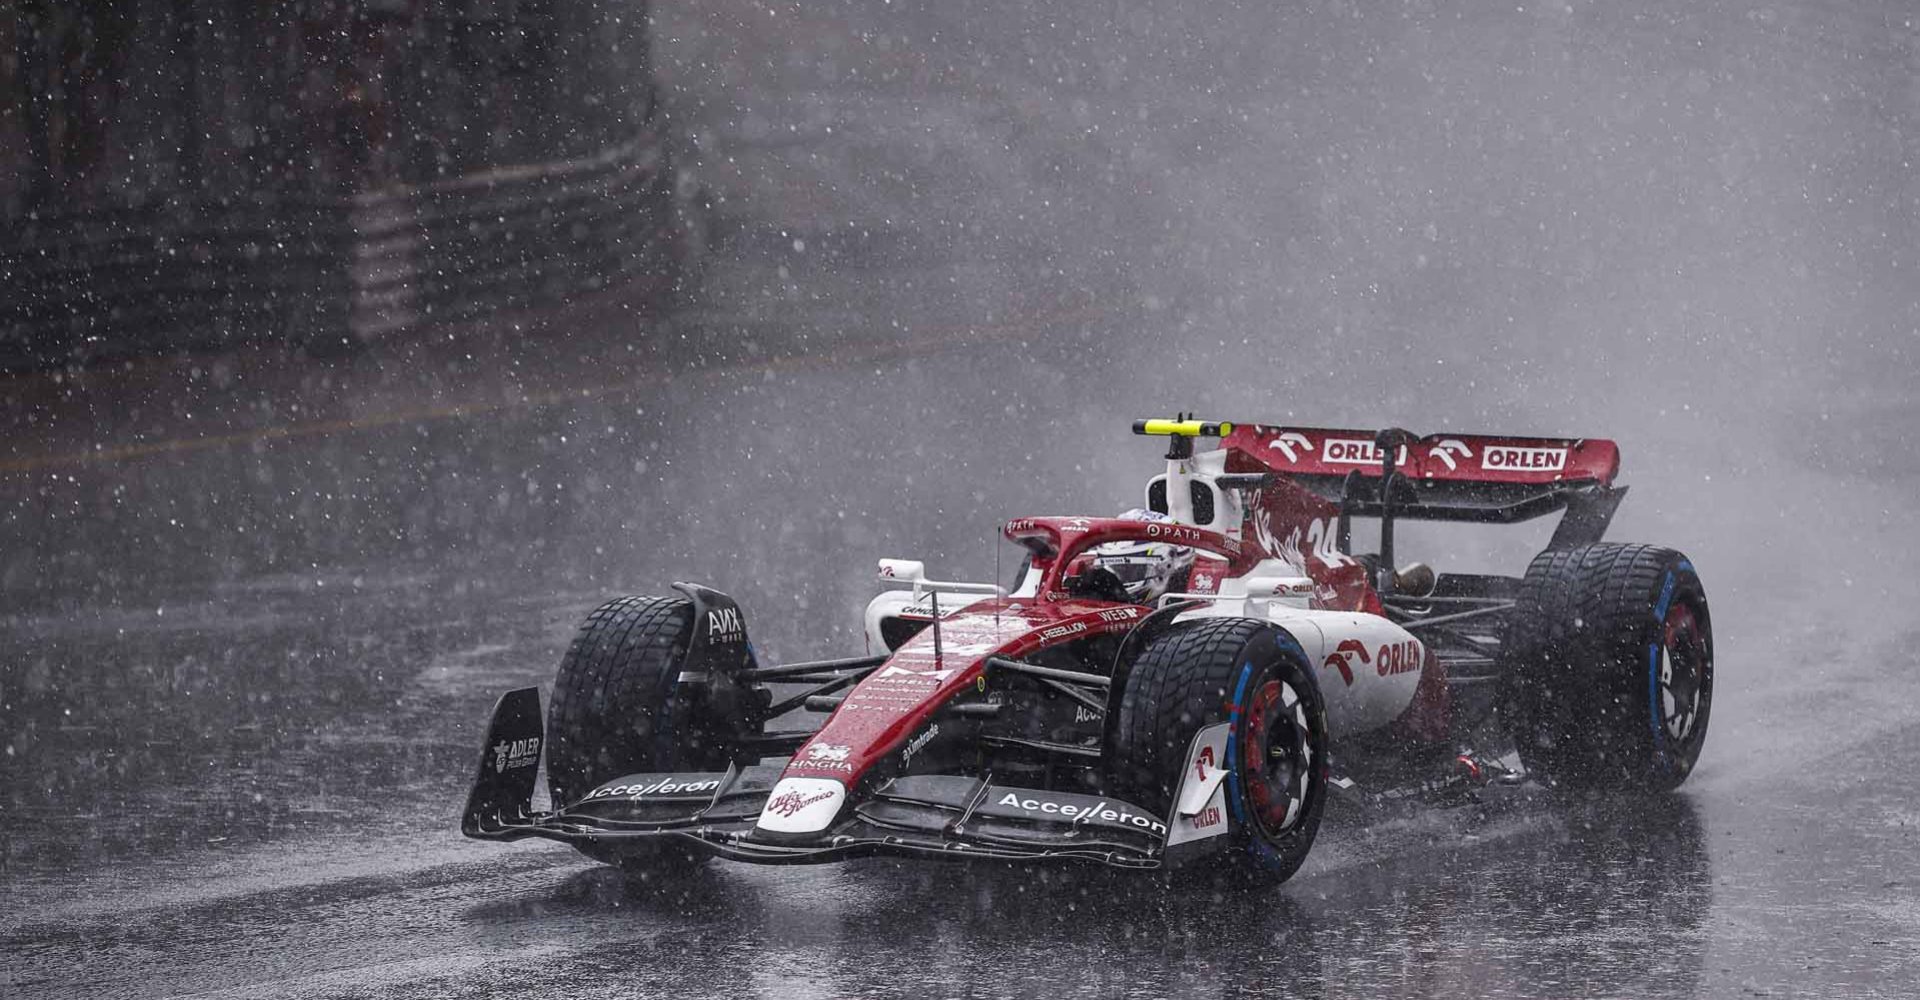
{"x": 1278, "y": 757}
{"x": 1685, "y": 664}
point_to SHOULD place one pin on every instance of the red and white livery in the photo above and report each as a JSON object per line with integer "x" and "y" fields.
{"x": 1065, "y": 716}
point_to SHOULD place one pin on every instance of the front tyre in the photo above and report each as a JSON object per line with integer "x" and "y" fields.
{"x": 618, "y": 709}
{"x": 1608, "y": 668}
{"x": 1256, "y": 678}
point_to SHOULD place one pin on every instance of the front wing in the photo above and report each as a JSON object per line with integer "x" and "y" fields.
{"x": 946, "y": 816}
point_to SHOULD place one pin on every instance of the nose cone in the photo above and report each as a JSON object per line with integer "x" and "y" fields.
{"x": 801, "y": 806}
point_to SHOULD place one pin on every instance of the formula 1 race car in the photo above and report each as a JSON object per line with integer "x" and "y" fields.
{"x": 1074, "y": 715}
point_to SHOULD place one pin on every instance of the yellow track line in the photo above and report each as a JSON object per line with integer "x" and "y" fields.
{"x": 949, "y": 339}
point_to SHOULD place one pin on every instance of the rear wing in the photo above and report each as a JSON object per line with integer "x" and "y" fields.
{"x": 1443, "y": 458}
{"x": 1488, "y": 479}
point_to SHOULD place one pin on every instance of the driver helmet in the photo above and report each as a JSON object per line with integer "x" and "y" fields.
{"x": 1147, "y": 569}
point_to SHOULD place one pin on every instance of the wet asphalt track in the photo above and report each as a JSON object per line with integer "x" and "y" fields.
{"x": 252, "y": 612}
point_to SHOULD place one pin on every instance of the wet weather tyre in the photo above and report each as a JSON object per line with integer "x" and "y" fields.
{"x": 1256, "y": 678}
{"x": 618, "y": 708}
{"x": 1608, "y": 668}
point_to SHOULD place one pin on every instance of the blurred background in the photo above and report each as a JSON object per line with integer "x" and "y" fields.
{"x": 354, "y": 349}
{"x": 199, "y": 175}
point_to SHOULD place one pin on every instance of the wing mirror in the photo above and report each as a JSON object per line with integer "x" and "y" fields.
{"x": 903, "y": 570}
{"x": 914, "y": 572}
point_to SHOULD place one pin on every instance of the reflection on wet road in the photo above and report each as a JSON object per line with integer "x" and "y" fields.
{"x": 1594, "y": 900}
{"x": 248, "y": 643}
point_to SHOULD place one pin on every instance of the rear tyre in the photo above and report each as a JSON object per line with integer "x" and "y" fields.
{"x": 1256, "y": 678}
{"x": 1608, "y": 668}
{"x": 618, "y": 709}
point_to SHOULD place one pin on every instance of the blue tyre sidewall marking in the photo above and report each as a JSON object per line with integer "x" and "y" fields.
{"x": 1660, "y": 609}
{"x": 1257, "y": 846}
{"x": 1233, "y": 742}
